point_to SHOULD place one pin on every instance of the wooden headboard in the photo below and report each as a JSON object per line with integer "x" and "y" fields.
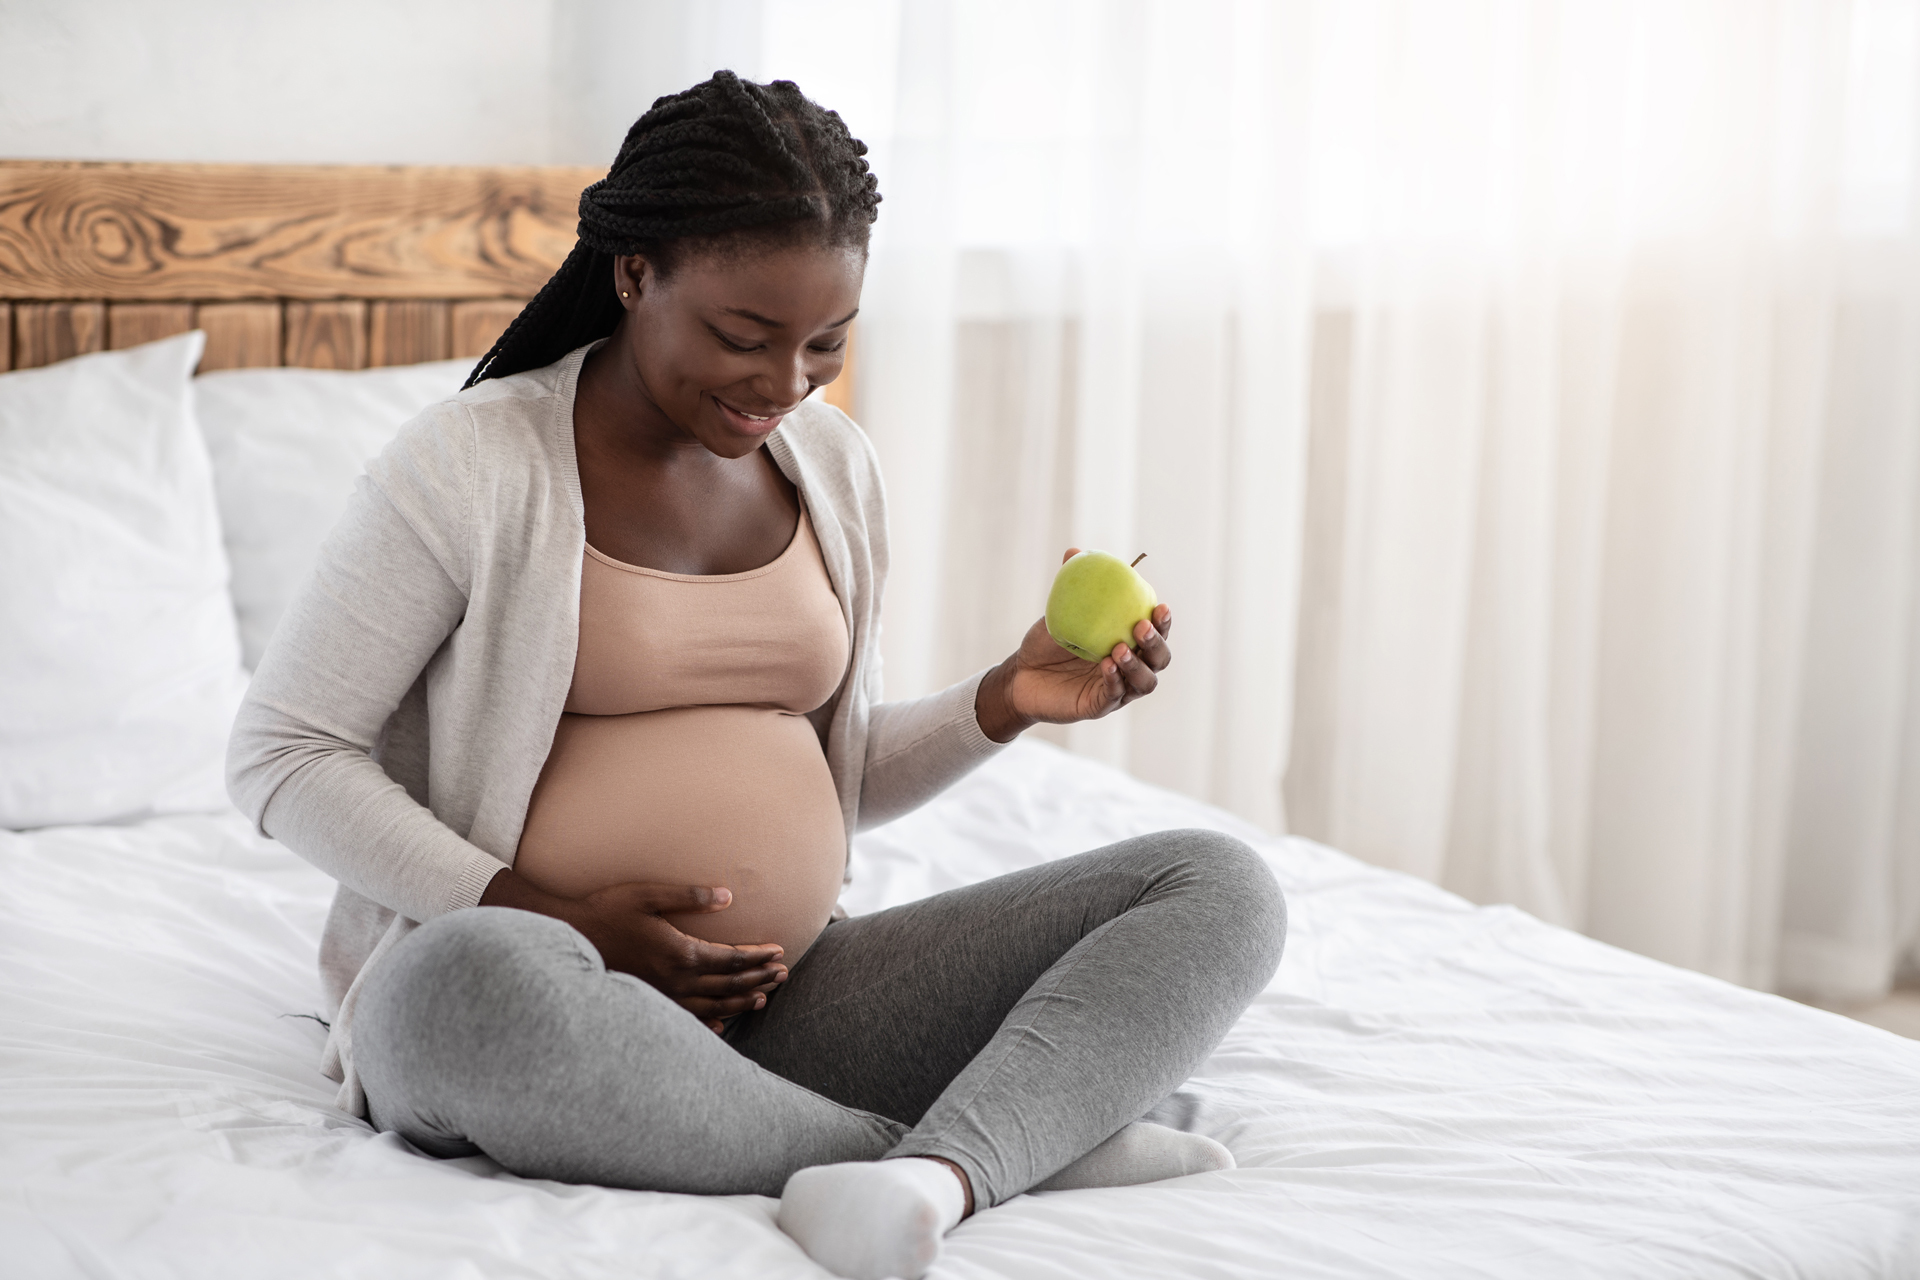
{"x": 320, "y": 266}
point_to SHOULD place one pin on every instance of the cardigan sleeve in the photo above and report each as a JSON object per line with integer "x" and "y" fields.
{"x": 386, "y": 594}
{"x": 916, "y": 749}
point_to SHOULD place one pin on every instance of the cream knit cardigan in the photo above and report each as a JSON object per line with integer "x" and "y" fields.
{"x": 401, "y": 714}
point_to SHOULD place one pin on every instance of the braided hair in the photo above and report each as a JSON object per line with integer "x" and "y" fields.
{"x": 726, "y": 163}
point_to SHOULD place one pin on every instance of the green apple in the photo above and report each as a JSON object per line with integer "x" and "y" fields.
{"x": 1096, "y": 601}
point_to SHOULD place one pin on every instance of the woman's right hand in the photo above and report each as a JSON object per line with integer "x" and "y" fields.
{"x": 711, "y": 980}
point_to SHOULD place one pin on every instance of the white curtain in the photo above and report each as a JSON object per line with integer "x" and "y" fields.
{"x": 1087, "y": 323}
{"x": 1519, "y": 403}
{"x": 1613, "y": 473}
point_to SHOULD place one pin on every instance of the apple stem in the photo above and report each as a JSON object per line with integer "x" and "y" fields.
{"x": 1137, "y": 559}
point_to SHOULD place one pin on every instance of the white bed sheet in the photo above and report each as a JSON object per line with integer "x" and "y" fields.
{"x": 1426, "y": 1090}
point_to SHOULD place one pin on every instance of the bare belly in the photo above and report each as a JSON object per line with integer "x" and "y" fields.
{"x": 729, "y": 796}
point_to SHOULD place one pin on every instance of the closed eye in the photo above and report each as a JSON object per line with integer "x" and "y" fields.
{"x": 733, "y": 345}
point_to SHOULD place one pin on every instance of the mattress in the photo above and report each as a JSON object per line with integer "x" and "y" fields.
{"x": 1427, "y": 1089}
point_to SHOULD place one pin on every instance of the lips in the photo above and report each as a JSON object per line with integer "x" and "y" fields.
{"x": 749, "y": 424}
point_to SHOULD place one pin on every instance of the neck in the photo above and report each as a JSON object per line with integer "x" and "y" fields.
{"x": 620, "y": 414}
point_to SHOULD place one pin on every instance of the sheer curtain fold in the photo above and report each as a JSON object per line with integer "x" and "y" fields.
{"x": 1519, "y": 402}
{"x": 1125, "y": 355}
{"x": 1590, "y": 595}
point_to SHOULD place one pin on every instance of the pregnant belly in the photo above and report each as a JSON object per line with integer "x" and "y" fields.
{"x": 729, "y": 796}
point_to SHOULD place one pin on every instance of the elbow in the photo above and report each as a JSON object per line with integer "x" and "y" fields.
{"x": 870, "y": 816}
{"x": 265, "y": 750}
{"x": 248, "y": 769}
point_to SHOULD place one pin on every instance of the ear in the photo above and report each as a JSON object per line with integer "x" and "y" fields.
{"x": 633, "y": 275}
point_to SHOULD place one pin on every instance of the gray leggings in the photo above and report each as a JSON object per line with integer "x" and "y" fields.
{"x": 1010, "y": 1027}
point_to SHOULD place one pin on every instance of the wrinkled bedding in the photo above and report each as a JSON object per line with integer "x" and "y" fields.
{"x": 1427, "y": 1089}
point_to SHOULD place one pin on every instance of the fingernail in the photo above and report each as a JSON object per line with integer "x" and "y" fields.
{"x": 722, "y": 896}
{"x": 1126, "y": 656}
{"x": 759, "y": 1002}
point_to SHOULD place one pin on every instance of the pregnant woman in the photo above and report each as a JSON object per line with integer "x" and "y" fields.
{"x": 583, "y": 703}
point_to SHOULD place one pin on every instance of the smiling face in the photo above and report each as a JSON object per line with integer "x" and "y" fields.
{"x": 724, "y": 346}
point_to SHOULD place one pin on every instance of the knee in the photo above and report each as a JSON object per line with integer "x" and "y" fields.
{"x": 1252, "y": 911}
{"x": 457, "y": 980}
{"x": 430, "y": 1022}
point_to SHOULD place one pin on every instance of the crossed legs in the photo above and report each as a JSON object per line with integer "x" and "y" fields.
{"x": 1008, "y": 1027}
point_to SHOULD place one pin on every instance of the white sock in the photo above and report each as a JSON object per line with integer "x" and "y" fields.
{"x": 873, "y": 1220}
{"x": 1141, "y": 1152}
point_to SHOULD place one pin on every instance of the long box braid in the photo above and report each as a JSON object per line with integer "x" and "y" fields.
{"x": 726, "y": 161}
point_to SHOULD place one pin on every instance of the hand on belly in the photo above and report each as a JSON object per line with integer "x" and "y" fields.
{"x": 751, "y": 919}
{"x": 772, "y": 900}
{"x": 628, "y": 925}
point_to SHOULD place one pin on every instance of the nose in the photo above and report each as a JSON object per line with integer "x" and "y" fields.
{"x": 787, "y": 384}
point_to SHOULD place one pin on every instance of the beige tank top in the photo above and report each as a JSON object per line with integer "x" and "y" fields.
{"x": 684, "y": 756}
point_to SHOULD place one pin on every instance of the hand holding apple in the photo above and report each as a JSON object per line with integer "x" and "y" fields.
{"x": 1044, "y": 683}
{"x": 1096, "y": 602}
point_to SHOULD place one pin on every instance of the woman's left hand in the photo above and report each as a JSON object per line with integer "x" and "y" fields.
{"x": 1042, "y": 683}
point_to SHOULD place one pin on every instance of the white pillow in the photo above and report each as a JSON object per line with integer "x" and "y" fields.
{"x": 119, "y": 666}
{"x": 287, "y": 445}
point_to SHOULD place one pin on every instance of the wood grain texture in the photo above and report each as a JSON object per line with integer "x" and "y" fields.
{"x": 6, "y": 336}
{"x": 240, "y": 335}
{"x": 44, "y": 332}
{"x": 478, "y": 325}
{"x": 157, "y": 232}
{"x": 131, "y": 323}
{"x": 406, "y": 332}
{"x": 326, "y": 335}
{"x": 840, "y": 392}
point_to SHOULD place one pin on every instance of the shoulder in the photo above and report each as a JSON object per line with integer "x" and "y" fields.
{"x": 835, "y": 453}
{"x": 429, "y": 459}
{"x": 520, "y": 393}
{"x": 499, "y": 420}
{"x": 512, "y": 415}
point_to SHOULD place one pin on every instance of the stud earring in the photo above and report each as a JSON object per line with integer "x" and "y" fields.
{"x": 625, "y": 294}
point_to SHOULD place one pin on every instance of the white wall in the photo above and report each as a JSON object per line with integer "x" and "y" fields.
{"x": 340, "y": 81}
{"x": 612, "y": 58}
{"x": 421, "y": 81}
{"x": 407, "y": 81}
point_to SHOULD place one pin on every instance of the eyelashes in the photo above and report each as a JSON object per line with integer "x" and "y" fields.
{"x": 736, "y": 347}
